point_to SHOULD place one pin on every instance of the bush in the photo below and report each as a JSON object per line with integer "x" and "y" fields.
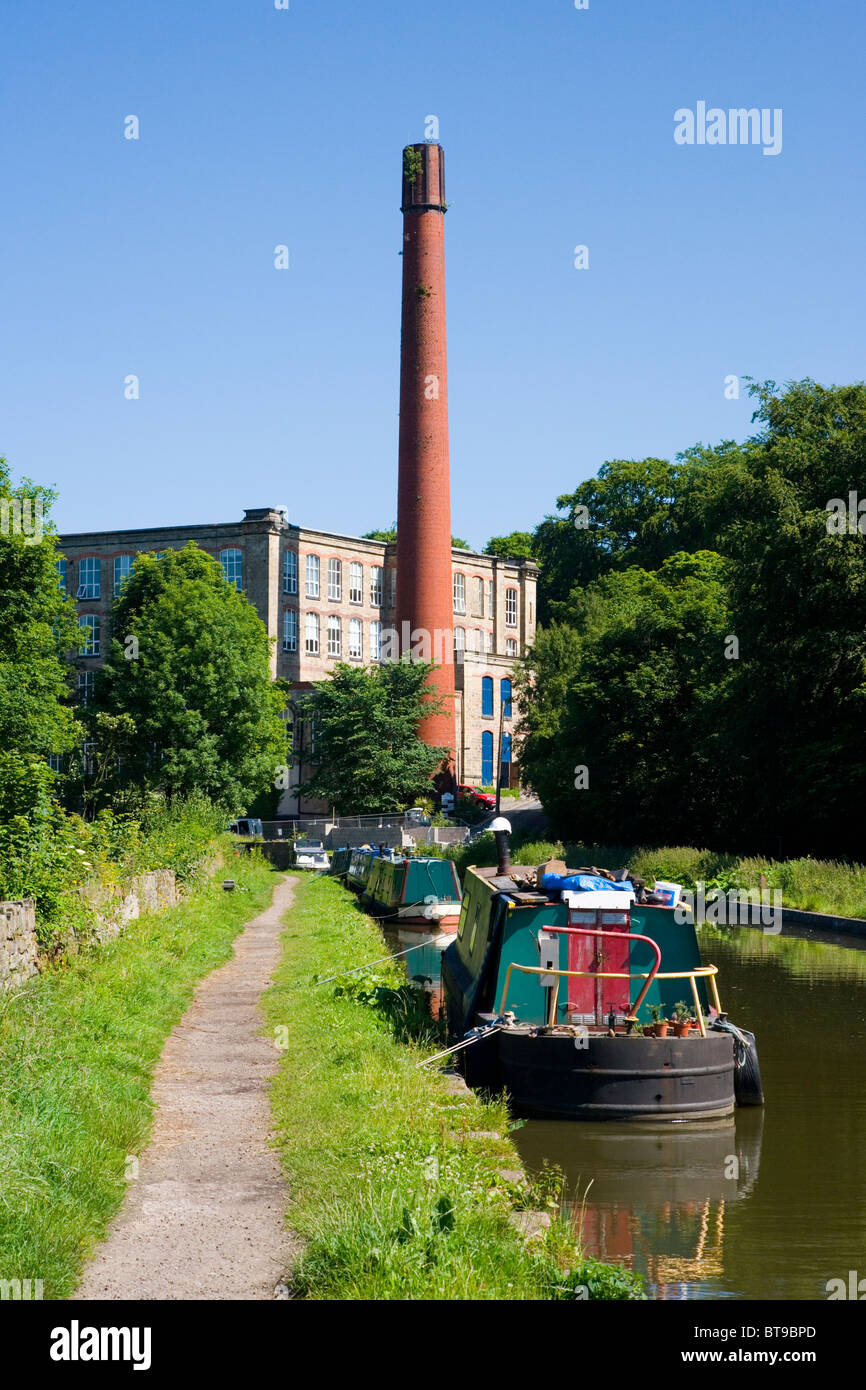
{"x": 177, "y": 836}
{"x": 48, "y": 854}
{"x": 812, "y": 885}
{"x": 43, "y": 852}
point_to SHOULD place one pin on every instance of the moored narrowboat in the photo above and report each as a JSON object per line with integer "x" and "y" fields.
{"x": 417, "y": 902}
{"x": 360, "y": 864}
{"x": 553, "y": 983}
{"x": 340, "y": 860}
{"x": 415, "y": 893}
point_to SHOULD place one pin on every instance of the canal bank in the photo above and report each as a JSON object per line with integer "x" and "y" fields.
{"x": 770, "y": 1205}
{"x": 404, "y": 1184}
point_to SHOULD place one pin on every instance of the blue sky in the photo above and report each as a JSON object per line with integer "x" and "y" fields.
{"x": 260, "y": 127}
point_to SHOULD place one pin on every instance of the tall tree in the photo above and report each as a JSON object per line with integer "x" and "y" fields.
{"x": 366, "y": 753}
{"x": 189, "y": 667}
{"x": 632, "y": 513}
{"x": 768, "y": 746}
{"x": 621, "y": 709}
{"x": 517, "y": 545}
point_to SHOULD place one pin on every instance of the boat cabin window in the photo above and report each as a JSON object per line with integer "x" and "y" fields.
{"x": 474, "y": 928}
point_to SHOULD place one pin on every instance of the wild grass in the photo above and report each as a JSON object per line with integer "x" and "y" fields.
{"x": 399, "y": 1185}
{"x": 78, "y": 1047}
{"x": 812, "y": 885}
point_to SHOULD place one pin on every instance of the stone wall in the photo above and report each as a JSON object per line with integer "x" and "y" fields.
{"x": 117, "y": 904}
{"x": 18, "y": 950}
{"x": 114, "y": 905}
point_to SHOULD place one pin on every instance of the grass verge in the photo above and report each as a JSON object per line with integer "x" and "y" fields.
{"x": 401, "y": 1188}
{"x": 78, "y": 1047}
{"x": 813, "y": 885}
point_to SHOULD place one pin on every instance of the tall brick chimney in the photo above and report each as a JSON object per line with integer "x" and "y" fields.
{"x": 424, "y": 595}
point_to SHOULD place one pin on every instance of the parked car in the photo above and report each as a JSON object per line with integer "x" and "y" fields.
{"x": 477, "y": 796}
{"x": 311, "y": 854}
{"x": 248, "y": 826}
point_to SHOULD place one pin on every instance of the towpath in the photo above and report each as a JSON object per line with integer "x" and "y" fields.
{"x": 205, "y": 1217}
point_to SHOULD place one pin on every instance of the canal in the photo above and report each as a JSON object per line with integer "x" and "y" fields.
{"x": 772, "y": 1204}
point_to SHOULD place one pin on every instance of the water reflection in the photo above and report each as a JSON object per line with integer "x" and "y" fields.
{"x": 768, "y": 1205}
{"x": 653, "y": 1197}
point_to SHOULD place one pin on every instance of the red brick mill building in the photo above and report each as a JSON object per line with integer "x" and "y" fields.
{"x": 326, "y": 597}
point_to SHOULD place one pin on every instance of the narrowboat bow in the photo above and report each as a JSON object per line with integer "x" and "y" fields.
{"x": 552, "y": 983}
{"x": 417, "y": 902}
{"x": 420, "y": 893}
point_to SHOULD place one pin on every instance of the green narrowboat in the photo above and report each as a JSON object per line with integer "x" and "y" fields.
{"x": 417, "y": 902}
{"x": 552, "y": 995}
{"x": 423, "y": 894}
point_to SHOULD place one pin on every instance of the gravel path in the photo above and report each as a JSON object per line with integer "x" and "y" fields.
{"x": 205, "y": 1218}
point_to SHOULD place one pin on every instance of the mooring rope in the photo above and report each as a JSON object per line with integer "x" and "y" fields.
{"x": 381, "y": 961}
{"x": 486, "y": 1032}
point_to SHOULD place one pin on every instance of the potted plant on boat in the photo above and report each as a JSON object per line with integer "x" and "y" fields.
{"x": 659, "y": 1022}
{"x": 682, "y": 1019}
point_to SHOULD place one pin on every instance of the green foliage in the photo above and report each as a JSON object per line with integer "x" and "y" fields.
{"x": 44, "y": 854}
{"x": 544, "y": 1190}
{"x": 655, "y": 567}
{"x": 367, "y": 754}
{"x": 412, "y": 163}
{"x": 37, "y": 625}
{"x": 174, "y": 836}
{"x": 517, "y": 545}
{"x": 49, "y": 855}
{"x": 631, "y": 513}
{"x": 627, "y": 691}
{"x": 470, "y": 811}
{"x": 591, "y": 1279}
{"x": 406, "y": 1007}
{"x": 387, "y": 534}
{"x": 810, "y": 884}
{"x": 204, "y": 713}
{"x": 77, "y": 1052}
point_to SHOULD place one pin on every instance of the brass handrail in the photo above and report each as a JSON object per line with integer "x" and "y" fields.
{"x": 708, "y": 972}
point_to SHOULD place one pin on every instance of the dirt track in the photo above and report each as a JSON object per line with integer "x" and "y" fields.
{"x": 205, "y": 1217}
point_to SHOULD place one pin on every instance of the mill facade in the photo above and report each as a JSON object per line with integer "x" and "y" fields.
{"x": 326, "y": 598}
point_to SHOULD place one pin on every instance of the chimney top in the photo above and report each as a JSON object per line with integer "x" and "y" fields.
{"x": 279, "y": 514}
{"x": 423, "y": 178}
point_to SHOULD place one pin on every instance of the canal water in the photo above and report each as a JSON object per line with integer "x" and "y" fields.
{"x": 773, "y": 1203}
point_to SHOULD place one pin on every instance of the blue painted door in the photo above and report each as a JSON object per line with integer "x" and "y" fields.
{"x": 487, "y": 757}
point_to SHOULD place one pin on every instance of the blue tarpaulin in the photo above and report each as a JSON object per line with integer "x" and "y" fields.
{"x": 582, "y": 883}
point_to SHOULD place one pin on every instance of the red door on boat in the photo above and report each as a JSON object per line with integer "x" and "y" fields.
{"x": 591, "y": 1001}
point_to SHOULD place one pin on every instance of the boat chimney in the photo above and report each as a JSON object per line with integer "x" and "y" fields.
{"x": 501, "y": 830}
